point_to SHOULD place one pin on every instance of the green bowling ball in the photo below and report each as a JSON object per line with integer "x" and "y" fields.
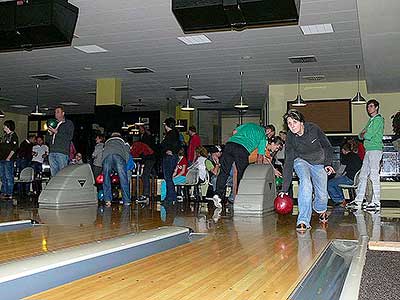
{"x": 52, "y": 123}
{"x": 278, "y": 180}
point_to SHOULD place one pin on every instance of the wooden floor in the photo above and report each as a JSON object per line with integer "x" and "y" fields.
{"x": 241, "y": 258}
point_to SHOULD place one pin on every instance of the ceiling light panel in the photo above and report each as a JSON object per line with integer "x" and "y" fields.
{"x": 69, "y": 103}
{"x": 317, "y": 29}
{"x": 90, "y": 49}
{"x": 44, "y": 77}
{"x": 138, "y": 70}
{"x": 18, "y": 106}
{"x": 194, "y": 39}
{"x": 201, "y": 97}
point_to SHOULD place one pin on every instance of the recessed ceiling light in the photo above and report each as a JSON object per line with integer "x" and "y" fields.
{"x": 91, "y": 93}
{"x": 87, "y": 68}
{"x": 18, "y": 106}
{"x": 201, "y": 97}
{"x": 194, "y": 39}
{"x": 180, "y": 88}
{"x": 317, "y": 29}
{"x": 69, "y": 103}
{"x": 90, "y": 49}
{"x": 246, "y": 57}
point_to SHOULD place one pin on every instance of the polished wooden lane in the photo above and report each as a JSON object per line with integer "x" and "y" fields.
{"x": 241, "y": 258}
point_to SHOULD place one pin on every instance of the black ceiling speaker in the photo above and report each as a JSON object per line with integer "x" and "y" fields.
{"x": 36, "y": 24}
{"x": 217, "y": 15}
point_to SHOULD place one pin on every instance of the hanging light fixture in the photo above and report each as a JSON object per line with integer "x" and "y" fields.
{"x": 179, "y": 124}
{"x": 299, "y": 100}
{"x": 187, "y": 106}
{"x": 241, "y": 105}
{"x": 358, "y": 99}
{"x": 124, "y": 126}
{"x": 36, "y": 111}
{"x": 2, "y": 115}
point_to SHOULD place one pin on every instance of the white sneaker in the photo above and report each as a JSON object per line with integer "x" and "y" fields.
{"x": 179, "y": 198}
{"x": 217, "y": 201}
{"x": 373, "y": 206}
{"x": 354, "y": 205}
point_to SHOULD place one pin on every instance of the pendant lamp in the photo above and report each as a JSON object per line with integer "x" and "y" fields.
{"x": 187, "y": 106}
{"x": 358, "y": 98}
{"x": 241, "y": 105}
{"x": 36, "y": 111}
{"x": 299, "y": 100}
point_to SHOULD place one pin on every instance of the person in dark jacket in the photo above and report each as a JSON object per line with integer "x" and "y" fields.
{"x": 309, "y": 152}
{"x": 8, "y": 149}
{"x": 169, "y": 149}
{"x": 353, "y": 164}
{"x": 115, "y": 158}
{"x": 60, "y": 139}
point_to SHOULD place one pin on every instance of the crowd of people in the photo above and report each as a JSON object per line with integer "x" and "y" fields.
{"x": 304, "y": 150}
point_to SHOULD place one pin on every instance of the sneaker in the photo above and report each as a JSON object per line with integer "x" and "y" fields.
{"x": 373, "y": 207}
{"x": 354, "y": 205}
{"x": 143, "y": 199}
{"x": 301, "y": 228}
{"x": 323, "y": 218}
{"x": 217, "y": 201}
{"x": 179, "y": 198}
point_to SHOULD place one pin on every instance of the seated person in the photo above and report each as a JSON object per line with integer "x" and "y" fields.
{"x": 213, "y": 165}
{"x": 77, "y": 159}
{"x": 179, "y": 175}
{"x": 353, "y": 164}
{"x": 200, "y": 158}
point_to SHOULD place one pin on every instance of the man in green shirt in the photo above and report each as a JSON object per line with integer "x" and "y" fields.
{"x": 244, "y": 140}
{"x": 372, "y": 135}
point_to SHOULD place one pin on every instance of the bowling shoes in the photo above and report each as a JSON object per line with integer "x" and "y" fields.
{"x": 323, "y": 218}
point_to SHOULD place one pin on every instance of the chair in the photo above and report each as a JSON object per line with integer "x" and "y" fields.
{"x": 353, "y": 187}
{"x": 27, "y": 175}
{"x": 191, "y": 180}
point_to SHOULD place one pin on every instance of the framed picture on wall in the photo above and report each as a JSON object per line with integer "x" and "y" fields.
{"x": 332, "y": 116}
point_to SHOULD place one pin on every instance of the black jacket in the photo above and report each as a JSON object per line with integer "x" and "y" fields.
{"x": 170, "y": 142}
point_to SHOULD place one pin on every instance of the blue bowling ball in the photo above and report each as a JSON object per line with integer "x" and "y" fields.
{"x": 100, "y": 195}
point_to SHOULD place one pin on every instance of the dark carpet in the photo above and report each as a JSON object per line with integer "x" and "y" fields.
{"x": 381, "y": 276}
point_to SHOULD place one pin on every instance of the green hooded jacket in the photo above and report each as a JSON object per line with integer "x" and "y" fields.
{"x": 374, "y": 133}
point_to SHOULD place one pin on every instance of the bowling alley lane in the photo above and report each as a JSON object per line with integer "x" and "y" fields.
{"x": 241, "y": 258}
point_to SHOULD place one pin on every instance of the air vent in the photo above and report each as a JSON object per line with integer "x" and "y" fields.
{"x": 202, "y": 97}
{"x": 137, "y": 105}
{"x": 210, "y": 102}
{"x": 91, "y": 93}
{"x": 302, "y": 59}
{"x": 180, "y": 88}
{"x": 317, "y": 77}
{"x": 44, "y": 77}
{"x": 139, "y": 70}
{"x": 4, "y": 99}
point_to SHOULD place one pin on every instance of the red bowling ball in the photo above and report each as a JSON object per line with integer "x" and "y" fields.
{"x": 283, "y": 204}
{"x": 114, "y": 179}
{"x": 100, "y": 179}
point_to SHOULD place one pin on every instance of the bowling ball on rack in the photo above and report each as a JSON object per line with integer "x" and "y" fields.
{"x": 114, "y": 179}
{"x": 100, "y": 195}
{"x": 52, "y": 123}
{"x": 283, "y": 204}
{"x": 100, "y": 179}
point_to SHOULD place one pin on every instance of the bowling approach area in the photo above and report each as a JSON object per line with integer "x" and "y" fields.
{"x": 176, "y": 252}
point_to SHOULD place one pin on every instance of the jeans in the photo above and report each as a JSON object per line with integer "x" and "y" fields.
{"x": 311, "y": 177}
{"x": 148, "y": 166}
{"x": 7, "y": 176}
{"x": 370, "y": 167}
{"x": 117, "y": 163}
{"x": 233, "y": 153}
{"x": 169, "y": 164}
{"x": 335, "y": 191}
{"x": 177, "y": 180}
{"x": 57, "y": 161}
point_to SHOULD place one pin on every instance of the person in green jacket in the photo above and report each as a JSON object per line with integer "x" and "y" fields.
{"x": 372, "y": 134}
{"x": 245, "y": 139}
